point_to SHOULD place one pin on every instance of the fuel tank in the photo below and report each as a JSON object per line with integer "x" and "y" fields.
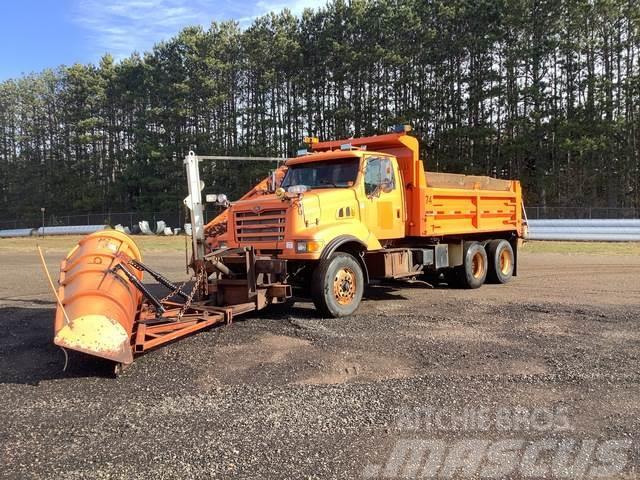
{"x": 100, "y": 303}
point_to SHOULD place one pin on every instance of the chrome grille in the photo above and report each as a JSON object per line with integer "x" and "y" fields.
{"x": 260, "y": 226}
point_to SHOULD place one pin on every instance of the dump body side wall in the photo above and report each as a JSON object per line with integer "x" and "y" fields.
{"x": 468, "y": 211}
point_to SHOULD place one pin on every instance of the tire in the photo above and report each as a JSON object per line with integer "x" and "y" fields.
{"x": 501, "y": 261}
{"x": 473, "y": 272}
{"x": 337, "y": 285}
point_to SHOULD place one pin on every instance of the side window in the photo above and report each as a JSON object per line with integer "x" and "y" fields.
{"x": 372, "y": 176}
{"x": 379, "y": 176}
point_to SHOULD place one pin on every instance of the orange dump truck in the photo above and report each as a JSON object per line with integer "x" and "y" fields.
{"x": 351, "y": 211}
{"x": 325, "y": 224}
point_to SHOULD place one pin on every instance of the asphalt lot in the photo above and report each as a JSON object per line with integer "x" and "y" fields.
{"x": 552, "y": 357}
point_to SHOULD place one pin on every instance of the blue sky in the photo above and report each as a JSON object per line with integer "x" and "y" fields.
{"x": 37, "y": 34}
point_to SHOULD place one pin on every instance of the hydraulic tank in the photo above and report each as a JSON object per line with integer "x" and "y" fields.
{"x": 100, "y": 303}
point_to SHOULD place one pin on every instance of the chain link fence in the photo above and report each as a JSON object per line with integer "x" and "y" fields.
{"x": 177, "y": 219}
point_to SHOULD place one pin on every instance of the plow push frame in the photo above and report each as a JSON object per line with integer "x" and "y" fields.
{"x": 226, "y": 280}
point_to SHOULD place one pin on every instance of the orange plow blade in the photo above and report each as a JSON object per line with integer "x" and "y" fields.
{"x": 106, "y": 311}
{"x": 100, "y": 305}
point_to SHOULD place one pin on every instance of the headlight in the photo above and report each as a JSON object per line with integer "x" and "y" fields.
{"x": 219, "y": 199}
{"x": 309, "y": 246}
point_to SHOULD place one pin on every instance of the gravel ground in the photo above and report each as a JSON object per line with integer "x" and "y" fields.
{"x": 553, "y": 356}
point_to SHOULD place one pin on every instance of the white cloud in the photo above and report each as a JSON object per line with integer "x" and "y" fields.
{"x": 263, "y": 7}
{"x": 121, "y": 27}
{"x": 296, "y": 6}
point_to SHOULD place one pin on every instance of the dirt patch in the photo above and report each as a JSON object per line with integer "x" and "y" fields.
{"x": 311, "y": 364}
{"x": 267, "y": 348}
{"x": 358, "y": 367}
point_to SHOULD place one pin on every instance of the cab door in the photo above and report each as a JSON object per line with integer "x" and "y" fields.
{"x": 384, "y": 209}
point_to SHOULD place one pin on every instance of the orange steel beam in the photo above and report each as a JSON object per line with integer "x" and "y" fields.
{"x": 164, "y": 333}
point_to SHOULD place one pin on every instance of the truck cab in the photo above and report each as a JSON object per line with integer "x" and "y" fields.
{"x": 321, "y": 197}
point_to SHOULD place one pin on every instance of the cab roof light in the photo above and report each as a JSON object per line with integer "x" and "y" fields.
{"x": 311, "y": 140}
{"x": 402, "y": 128}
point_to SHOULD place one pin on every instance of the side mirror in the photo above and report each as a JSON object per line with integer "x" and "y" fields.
{"x": 386, "y": 186}
{"x": 375, "y": 192}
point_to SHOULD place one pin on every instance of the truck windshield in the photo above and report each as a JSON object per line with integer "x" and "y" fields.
{"x": 341, "y": 173}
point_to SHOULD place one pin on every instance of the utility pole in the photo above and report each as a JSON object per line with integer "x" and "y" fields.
{"x": 42, "y": 209}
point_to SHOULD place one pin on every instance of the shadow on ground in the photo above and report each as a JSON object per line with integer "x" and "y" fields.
{"x": 27, "y": 353}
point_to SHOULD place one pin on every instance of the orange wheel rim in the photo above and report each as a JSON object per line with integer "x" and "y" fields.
{"x": 505, "y": 261}
{"x": 477, "y": 265}
{"x": 344, "y": 286}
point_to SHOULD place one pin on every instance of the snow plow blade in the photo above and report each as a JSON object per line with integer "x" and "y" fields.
{"x": 100, "y": 304}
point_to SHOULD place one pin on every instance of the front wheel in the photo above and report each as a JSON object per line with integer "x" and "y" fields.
{"x": 337, "y": 285}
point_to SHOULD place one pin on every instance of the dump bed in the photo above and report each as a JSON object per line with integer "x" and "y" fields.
{"x": 467, "y": 204}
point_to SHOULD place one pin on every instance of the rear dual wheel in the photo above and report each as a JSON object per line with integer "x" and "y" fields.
{"x": 501, "y": 261}
{"x": 473, "y": 271}
{"x": 492, "y": 261}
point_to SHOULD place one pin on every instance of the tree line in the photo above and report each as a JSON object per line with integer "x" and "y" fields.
{"x": 546, "y": 91}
